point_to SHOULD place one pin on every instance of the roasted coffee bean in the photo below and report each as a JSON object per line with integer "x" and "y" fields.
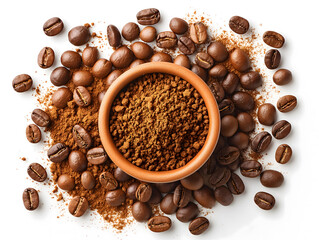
{"x": 79, "y": 35}
{"x": 30, "y": 199}
{"x": 113, "y": 36}
{"x": 227, "y": 155}
{"x": 40, "y": 117}
{"x": 219, "y": 71}
{"x": 198, "y": 33}
{"x": 60, "y": 76}
{"x": 240, "y": 60}
{"x": 182, "y": 60}
{"x": 161, "y": 57}
{"x": 141, "y": 211}
{"x": 230, "y": 83}
{"x": 193, "y": 182}
{"x": 33, "y": 133}
{"x": 46, "y": 57}
{"x": 58, "y": 152}
{"x": 37, "y": 172}
{"x": 201, "y": 72}
{"x": 66, "y": 182}
{"x": 246, "y": 122}
{"x": 112, "y": 77}
{"x": 122, "y": 57}
{"x": 286, "y": 103}
{"x": 90, "y": 56}
{"x": 271, "y": 178}
{"x": 238, "y": 24}
{"x": 143, "y": 192}
{"x": 61, "y": 97}
{"x": 261, "y": 142}
{"x": 204, "y": 60}
{"x": 148, "y": 34}
{"x": 186, "y": 45}
{"x": 166, "y": 39}
{"x": 81, "y": 137}
{"x": 282, "y": 77}
{"x": 272, "y": 58}
{"x": 53, "y": 26}
{"x": 82, "y": 78}
{"x": 81, "y": 96}
{"x": 71, "y": 59}
{"x": 187, "y": 213}
{"x": 148, "y": 16}
{"x": 273, "y": 39}
{"x": 131, "y": 190}
{"x": 223, "y": 196}
{"x": 182, "y": 196}
{"x": 210, "y": 164}
{"x": 108, "y": 181}
{"x": 178, "y": 25}
{"x": 167, "y": 205}
{"x": 250, "y": 80}
{"x": 87, "y": 180}
{"x": 115, "y": 198}
{"x": 136, "y": 62}
{"x": 22, "y": 83}
{"x": 166, "y": 187}
{"x": 226, "y": 106}
{"x": 101, "y": 68}
{"x": 239, "y": 140}
{"x": 244, "y": 101}
{"x": 250, "y": 168}
{"x": 264, "y": 200}
{"x": 217, "y": 51}
{"x": 77, "y": 161}
{"x": 235, "y": 184}
{"x": 220, "y": 176}
{"x": 156, "y": 197}
{"x": 216, "y": 89}
{"x": 281, "y": 129}
{"x": 229, "y": 126}
{"x": 283, "y": 153}
{"x": 204, "y": 197}
{"x": 266, "y": 114}
{"x": 198, "y": 225}
{"x": 141, "y": 50}
{"x": 130, "y": 31}
{"x": 120, "y": 175}
{"x": 101, "y": 96}
{"x": 159, "y": 224}
{"x": 78, "y": 206}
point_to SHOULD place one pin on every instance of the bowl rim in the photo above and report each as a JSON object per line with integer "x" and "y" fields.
{"x": 159, "y": 176}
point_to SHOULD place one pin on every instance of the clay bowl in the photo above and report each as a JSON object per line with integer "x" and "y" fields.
{"x": 160, "y": 176}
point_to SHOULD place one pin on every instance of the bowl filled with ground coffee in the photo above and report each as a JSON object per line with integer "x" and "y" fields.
{"x": 159, "y": 122}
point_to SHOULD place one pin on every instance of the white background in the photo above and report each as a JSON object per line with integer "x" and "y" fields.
{"x": 296, "y": 213}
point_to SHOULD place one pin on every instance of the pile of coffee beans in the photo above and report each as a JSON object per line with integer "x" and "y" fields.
{"x": 232, "y": 84}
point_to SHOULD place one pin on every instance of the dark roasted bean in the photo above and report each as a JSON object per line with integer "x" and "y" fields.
{"x": 201, "y": 72}
{"x": 159, "y": 224}
{"x": 281, "y": 129}
{"x": 122, "y": 57}
{"x": 287, "y": 103}
{"x": 193, "y": 182}
{"x": 186, "y": 45}
{"x": 22, "y": 83}
{"x": 251, "y": 168}
{"x": 229, "y": 126}
{"x": 130, "y": 31}
{"x": 187, "y": 213}
{"x": 198, "y": 33}
{"x": 143, "y": 192}
{"x": 131, "y": 190}
{"x": 198, "y": 225}
{"x": 220, "y": 176}
{"x": 96, "y": 155}
{"x": 112, "y": 77}
{"x": 46, "y": 57}
{"x": 71, "y": 59}
{"x": 166, "y": 187}
{"x": 239, "y": 140}
{"x": 182, "y": 60}
{"x": 60, "y": 76}
{"x": 166, "y": 39}
{"x": 82, "y": 78}
{"x": 235, "y": 184}
{"x": 219, "y": 71}
{"x": 216, "y": 89}
{"x": 246, "y": 122}
{"x": 78, "y": 206}
{"x": 217, "y": 51}
{"x": 108, "y": 181}
{"x": 204, "y": 197}
{"x": 101, "y": 68}
{"x": 81, "y": 137}
{"x": 266, "y": 114}
{"x": 148, "y": 34}
{"x": 261, "y": 142}
{"x": 271, "y": 178}
{"x": 156, "y": 196}
{"x": 251, "y": 80}
{"x": 79, "y": 35}
{"x": 115, "y": 198}
{"x": 223, "y": 196}
{"x": 33, "y": 133}
{"x": 81, "y": 96}
{"x": 240, "y": 60}
{"x": 238, "y": 24}
{"x": 30, "y": 199}
{"x": 167, "y": 205}
{"x": 120, "y": 175}
{"x": 161, "y": 57}
{"x": 230, "y": 83}
{"x": 87, "y": 180}
{"x": 204, "y": 60}
{"x": 141, "y": 211}
{"x": 244, "y": 101}
{"x": 264, "y": 200}
{"x": 37, "y": 172}
{"x": 40, "y": 117}
{"x": 272, "y": 58}
{"x": 226, "y": 106}
{"x": 77, "y": 161}
{"x": 58, "y": 152}
{"x": 61, "y": 97}
{"x": 283, "y": 153}
{"x": 182, "y": 196}
{"x": 273, "y": 39}
{"x": 113, "y": 36}
{"x": 282, "y": 77}
{"x": 178, "y": 25}
{"x": 66, "y": 182}
{"x": 148, "y": 16}
{"x": 53, "y": 26}
{"x": 90, "y": 56}
{"x": 141, "y": 50}
{"x": 227, "y": 155}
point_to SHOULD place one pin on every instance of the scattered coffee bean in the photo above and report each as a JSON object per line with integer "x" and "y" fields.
{"x": 227, "y": 155}
{"x": 251, "y": 168}
{"x": 226, "y": 106}
{"x": 82, "y": 78}
{"x": 201, "y": 72}
{"x": 79, "y": 35}
{"x": 131, "y": 190}
{"x": 136, "y": 62}
{"x": 30, "y": 199}
{"x": 235, "y": 184}
{"x": 239, "y": 140}
{"x": 113, "y": 36}
{"x": 66, "y": 182}
{"x": 87, "y": 180}
{"x": 53, "y": 26}
{"x": 286, "y": 103}
{"x": 120, "y": 175}
{"x": 89, "y": 56}
{"x": 167, "y": 205}
{"x": 250, "y": 80}
{"x": 244, "y": 101}
{"x": 266, "y": 114}
{"x": 71, "y": 59}
{"x": 22, "y": 83}
{"x": 96, "y": 156}
{"x": 193, "y": 182}
{"x": 156, "y": 197}
{"x": 204, "y": 197}
{"x": 240, "y": 60}
{"x": 141, "y": 50}
{"x": 58, "y": 153}
{"x": 101, "y": 68}
{"x": 77, "y": 161}
{"x": 178, "y": 25}
{"x": 141, "y": 211}
{"x": 161, "y": 57}
{"x": 112, "y": 77}
{"x": 61, "y": 97}
{"x": 198, "y": 33}
{"x": 166, "y": 187}
{"x": 220, "y": 176}
{"x": 216, "y": 89}
{"x": 223, "y": 196}
{"x": 273, "y": 39}
{"x": 37, "y": 172}
{"x": 46, "y": 57}
{"x": 78, "y": 206}
{"x": 282, "y": 77}
{"x": 182, "y": 196}
{"x": 198, "y": 225}
{"x": 219, "y": 71}
{"x": 272, "y": 58}
{"x": 204, "y": 60}
{"x": 148, "y": 16}
{"x": 183, "y": 60}
{"x": 230, "y": 83}
{"x": 115, "y": 198}
{"x": 101, "y": 96}
{"x": 217, "y": 51}
{"x": 159, "y": 224}
{"x": 261, "y": 142}
{"x": 143, "y": 192}
{"x": 246, "y": 122}
{"x": 40, "y": 117}
{"x": 108, "y": 181}
{"x": 229, "y": 126}
{"x": 186, "y": 45}
{"x": 166, "y": 39}
{"x": 235, "y": 165}
{"x": 264, "y": 200}
{"x": 81, "y": 96}
{"x": 60, "y": 76}
{"x": 187, "y": 213}
{"x": 33, "y": 133}
{"x": 238, "y": 24}
{"x": 81, "y": 137}
{"x": 271, "y": 178}
{"x": 283, "y": 153}
{"x": 122, "y": 57}
{"x": 148, "y": 34}
{"x": 130, "y": 31}
{"x": 281, "y": 129}
{"x": 210, "y": 164}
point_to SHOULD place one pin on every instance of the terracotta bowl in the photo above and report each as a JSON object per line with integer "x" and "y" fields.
{"x": 159, "y": 176}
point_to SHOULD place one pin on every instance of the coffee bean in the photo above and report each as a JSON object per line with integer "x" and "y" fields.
{"x": 156, "y": 197}
{"x": 115, "y": 198}
{"x": 61, "y": 97}
{"x": 90, "y": 56}
{"x": 71, "y": 59}
{"x": 223, "y": 195}
{"x": 271, "y": 178}
{"x": 101, "y": 68}
{"x": 33, "y": 133}
{"x": 283, "y": 153}
{"x": 112, "y": 77}
{"x": 216, "y": 89}
{"x": 167, "y": 205}
{"x": 261, "y": 142}
{"x": 136, "y": 63}
{"x": 78, "y": 206}
{"x": 240, "y": 60}
{"x": 46, "y": 57}
{"x": 210, "y": 164}
{"x": 178, "y": 25}
{"x": 226, "y": 106}
{"x": 37, "y": 172}
{"x": 282, "y": 77}
{"x": 281, "y": 129}
{"x": 227, "y": 155}
{"x": 235, "y": 184}
{"x": 198, "y": 33}
{"x": 166, "y": 39}
{"x": 148, "y": 34}
{"x": 96, "y": 156}
{"x": 141, "y": 211}
{"x": 186, "y": 45}
{"x": 272, "y": 58}
{"x": 235, "y": 165}
{"x": 217, "y": 51}
{"x": 219, "y": 71}
{"x": 251, "y": 80}
{"x": 266, "y": 114}
{"x": 101, "y": 96}
{"x": 148, "y": 16}
{"x": 77, "y": 161}
{"x": 87, "y": 180}
{"x": 273, "y": 39}
{"x": 79, "y": 35}
{"x": 204, "y": 60}
{"x": 82, "y": 78}
{"x": 58, "y": 153}
{"x": 250, "y": 168}
{"x": 264, "y": 200}
{"x": 230, "y": 83}
{"x": 229, "y": 126}
{"x": 66, "y": 182}
{"x": 141, "y": 50}
{"x": 122, "y": 57}
{"x": 286, "y": 103}
{"x": 159, "y": 224}
{"x": 53, "y": 26}
{"x": 60, "y": 76}
{"x": 183, "y": 60}
{"x": 30, "y": 199}
{"x": 198, "y": 225}
{"x": 81, "y": 96}
{"x": 161, "y": 57}
{"x": 166, "y": 187}
{"x": 143, "y": 192}
{"x": 182, "y": 196}
{"x": 193, "y": 182}
{"x": 238, "y": 24}
{"x": 246, "y": 122}
{"x": 108, "y": 181}
{"x": 113, "y": 36}
{"x": 81, "y": 137}
{"x": 130, "y": 31}
{"x": 120, "y": 175}
{"x": 239, "y": 140}
{"x": 131, "y": 190}
{"x": 201, "y": 72}
{"x": 40, "y": 117}
{"x": 204, "y": 197}
{"x": 22, "y": 83}
{"x": 220, "y": 176}
{"x": 244, "y": 101}
{"x": 187, "y": 213}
